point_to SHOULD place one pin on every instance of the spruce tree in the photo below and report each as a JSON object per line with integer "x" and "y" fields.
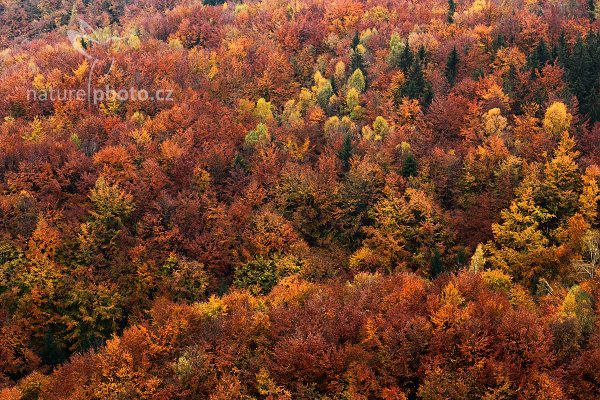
{"x": 451, "y": 70}
{"x": 406, "y": 58}
{"x": 356, "y": 58}
{"x": 410, "y": 167}
{"x": 584, "y": 75}
{"x": 560, "y": 50}
{"x": 345, "y": 154}
{"x": 539, "y": 57}
{"x": 422, "y": 54}
{"x": 451, "y": 10}
{"x": 416, "y": 86}
{"x": 355, "y": 40}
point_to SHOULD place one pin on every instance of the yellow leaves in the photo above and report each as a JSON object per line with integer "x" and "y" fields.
{"x": 497, "y": 280}
{"x": 263, "y": 110}
{"x": 331, "y": 126}
{"x": 380, "y": 129}
{"x": 363, "y": 259}
{"x": 508, "y": 57}
{"x": 451, "y": 295}
{"x": 305, "y": 98}
{"x": 138, "y": 117}
{"x": 141, "y": 136}
{"x": 39, "y": 82}
{"x": 212, "y": 73}
{"x": 175, "y": 43}
{"x": 493, "y": 122}
{"x": 214, "y": 307}
{"x": 258, "y": 137}
{"x": 589, "y": 199}
{"x": 352, "y": 100}
{"x": 479, "y": 6}
{"x": 557, "y": 119}
{"x": 134, "y": 42}
{"x": 112, "y": 105}
{"x": 578, "y": 303}
{"x": 35, "y": 132}
{"x": 452, "y": 311}
{"x": 214, "y": 69}
{"x": 110, "y": 199}
{"x": 202, "y": 179}
{"x": 30, "y": 387}
{"x": 377, "y": 15}
{"x": 364, "y": 279}
{"x": 296, "y": 151}
{"x": 357, "y": 81}
{"x": 322, "y": 89}
{"x": 319, "y": 81}
{"x": 266, "y": 386}
{"x": 478, "y": 259}
{"x": 340, "y": 70}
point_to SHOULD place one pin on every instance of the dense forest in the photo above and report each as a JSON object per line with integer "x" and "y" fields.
{"x": 345, "y": 199}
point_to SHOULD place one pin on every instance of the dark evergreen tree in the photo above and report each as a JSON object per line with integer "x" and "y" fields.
{"x": 356, "y": 59}
{"x": 539, "y": 57}
{"x": 416, "y": 86}
{"x": 422, "y": 54}
{"x": 345, "y": 154}
{"x": 451, "y": 70}
{"x": 357, "y": 62}
{"x": 406, "y": 58}
{"x": 451, "y": 10}
{"x": 510, "y": 83}
{"x": 436, "y": 266}
{"x": 583, "y": 74}
{"x": 355, "y": 40}
{"x": 410, "y": 167}
{"x": 560, "y": 50}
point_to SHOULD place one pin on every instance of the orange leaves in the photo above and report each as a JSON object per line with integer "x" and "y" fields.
{"x": 116, "y": 162}
{"x": 343, "y": 16}
{"x": 46, "y": 239}
{"x": 118, "y": 375}
{"x": 451, "y": 311}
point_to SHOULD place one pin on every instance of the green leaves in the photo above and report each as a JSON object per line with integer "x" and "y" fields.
{"x": 260, "y": 275}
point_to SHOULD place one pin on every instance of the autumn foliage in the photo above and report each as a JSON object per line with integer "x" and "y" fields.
{"x": 339, "y": 200}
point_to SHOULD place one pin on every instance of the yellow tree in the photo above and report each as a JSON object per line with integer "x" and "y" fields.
{"x": 409, "y": 231}
{"x": 557, "y": 119}
{"x": 562, "y": 183}
{"x": 589, "y": 200}
{"x": 111, "y": 209}
{"x": 519, "y": 246}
